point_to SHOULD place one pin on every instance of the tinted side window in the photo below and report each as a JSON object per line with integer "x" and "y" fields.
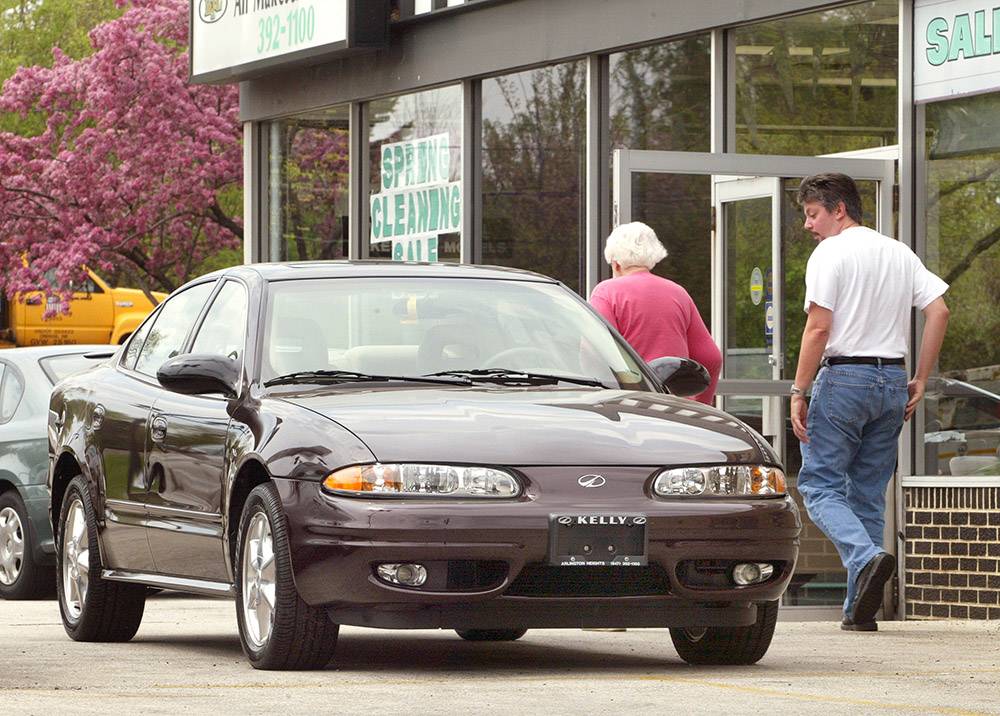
{"x": 10, "y": 394}
{"x": 171, "y": 327}
{"x": 224, "y": 329}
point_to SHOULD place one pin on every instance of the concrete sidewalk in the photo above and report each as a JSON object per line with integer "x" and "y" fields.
{"x": 186, "y": 659}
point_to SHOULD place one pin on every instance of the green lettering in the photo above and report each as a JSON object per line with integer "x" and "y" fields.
{"x": 996, "y": 30}
{"x": 408, "y": 158}
{"x": 442, "y": 192}
{"x": 399, "y": 211}
{"x": 433, "y": 199}
{"x": 376, "y": 209}
{"x": 386, "y": 168}
{"x": 444, "y": 158}
{"x": 432, "y": 249}
{"x": 961, "y": 39}
{"x": 456, "y": 206}
{"x": 398, "y": 165}
{"x": 422, "y": 203}
{"x": 411, "y": 214}
{"x": 397, "y": 251}
{"x": 937, "y": 51}
{"x": 983, "y": 42}
{"x": 386, "y": 219}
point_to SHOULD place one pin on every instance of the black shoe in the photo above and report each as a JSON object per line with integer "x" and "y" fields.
{"x": 848, "y": 625}
{"x": 870, "y": 586}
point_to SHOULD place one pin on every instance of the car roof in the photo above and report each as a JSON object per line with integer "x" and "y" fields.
{"x": 376, "y": 269}
{"x": 35, "y": 352}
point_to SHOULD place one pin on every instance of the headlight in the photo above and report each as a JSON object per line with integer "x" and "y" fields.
{"x": 722, "y": 480}
{"x": 422, "y": 480}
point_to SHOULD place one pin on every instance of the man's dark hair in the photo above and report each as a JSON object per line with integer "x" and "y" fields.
{"x": 829, "y": 189}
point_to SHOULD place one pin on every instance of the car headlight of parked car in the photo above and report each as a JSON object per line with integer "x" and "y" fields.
{"x": 721, "y": 480}
{"x": 420, "y": 480}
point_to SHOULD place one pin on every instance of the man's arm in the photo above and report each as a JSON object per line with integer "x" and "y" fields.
{"x": 814, "y": 338}
{"x": 936, "y": 321}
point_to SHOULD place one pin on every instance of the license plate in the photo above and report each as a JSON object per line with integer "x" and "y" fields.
{"x": 597, "y": 540}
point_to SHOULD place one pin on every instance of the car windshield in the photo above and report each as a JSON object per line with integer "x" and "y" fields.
{"x": 58, "y": 367}
{"x": 497, "y": 331}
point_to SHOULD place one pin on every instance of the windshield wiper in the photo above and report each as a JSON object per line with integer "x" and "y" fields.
{"x": 508, "y": 375}
{"x": 347, "y": 376}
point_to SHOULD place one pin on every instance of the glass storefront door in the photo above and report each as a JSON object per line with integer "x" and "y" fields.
{"x": 744, "y": 245}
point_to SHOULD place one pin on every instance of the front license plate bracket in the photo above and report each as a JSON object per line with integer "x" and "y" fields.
{"x": 597, "y": 540}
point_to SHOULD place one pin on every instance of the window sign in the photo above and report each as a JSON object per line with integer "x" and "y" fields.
{"x": 230, "y": 39}
{"x": 416, "y": 202}
{"x": 957, "y": 48}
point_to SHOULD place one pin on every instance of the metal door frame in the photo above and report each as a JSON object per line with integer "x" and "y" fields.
{"x": 642, "y": 161}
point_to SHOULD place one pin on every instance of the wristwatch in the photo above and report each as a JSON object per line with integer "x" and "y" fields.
{"x": 795, "y": 390}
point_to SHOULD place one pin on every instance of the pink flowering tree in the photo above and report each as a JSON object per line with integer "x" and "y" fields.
{"x": 137, "y": 173}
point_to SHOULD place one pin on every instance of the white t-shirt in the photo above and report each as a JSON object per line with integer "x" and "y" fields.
{"x": 870, "y": 282}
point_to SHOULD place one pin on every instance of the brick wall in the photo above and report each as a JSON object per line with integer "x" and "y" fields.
{"x": 952, "y": 565}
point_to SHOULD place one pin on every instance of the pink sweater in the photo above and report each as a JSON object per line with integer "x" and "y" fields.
{"x": 658, "y": 318}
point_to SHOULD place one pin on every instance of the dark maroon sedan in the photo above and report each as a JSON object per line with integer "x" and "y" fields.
{"x": 410, "y": 446}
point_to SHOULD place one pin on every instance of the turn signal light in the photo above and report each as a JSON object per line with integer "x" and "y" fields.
{"x": 419, "y": 480}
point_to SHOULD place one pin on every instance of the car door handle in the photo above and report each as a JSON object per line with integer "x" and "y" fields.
{"x": 97, "y": 417}
{"x": 158, "y": 428}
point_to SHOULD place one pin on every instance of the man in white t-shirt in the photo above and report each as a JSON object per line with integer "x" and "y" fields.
{"x": 860, "y": 289}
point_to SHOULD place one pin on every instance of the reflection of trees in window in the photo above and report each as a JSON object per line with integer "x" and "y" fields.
{"x": 661, "y": 99}
{"x": 534, "y": 135}
{"x": 818, "y": 83}
{"x": 315, "y": 176}
{"x": 963, "y": 232}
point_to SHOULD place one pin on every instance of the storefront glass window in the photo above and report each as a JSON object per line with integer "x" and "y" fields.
{"x": 962, "y": 200}
{"x": 660, "y": 98}
{"x": 415, "y": 156}
{"x": 818, "y": 83}
{"x": 309, "y": 185}
{"x": 534, "y": 139}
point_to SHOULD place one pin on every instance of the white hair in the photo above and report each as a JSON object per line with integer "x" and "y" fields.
{"x": 634, "y": 244}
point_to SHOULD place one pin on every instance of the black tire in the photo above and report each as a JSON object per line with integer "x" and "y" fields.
{"x": 491, "y": 634}
{"x": 728, "y": 645}
{"x": 300, "y": 636}
{"x": 25, "y": 578}
{"x": 109, "y": 611}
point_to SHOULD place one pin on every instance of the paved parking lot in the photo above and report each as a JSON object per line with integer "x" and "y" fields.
{"x": 186, "y": 659}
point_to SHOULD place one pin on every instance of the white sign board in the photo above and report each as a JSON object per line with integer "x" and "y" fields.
{"x": 956, "y": 48}
{"x": 417, "y": 202}
{"x": 227, "y": 34}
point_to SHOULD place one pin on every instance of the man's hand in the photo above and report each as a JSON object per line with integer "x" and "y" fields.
{"x": 916, "y": 389}
{"x": 799, "y": 412}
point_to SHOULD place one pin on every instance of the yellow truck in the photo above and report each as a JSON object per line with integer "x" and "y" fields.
{"x": 98, "y": 314}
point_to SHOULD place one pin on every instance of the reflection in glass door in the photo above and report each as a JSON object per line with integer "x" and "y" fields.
{"x": 753, "y": 254}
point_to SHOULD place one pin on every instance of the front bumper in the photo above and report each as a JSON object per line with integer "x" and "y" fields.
{"x": 335, "y": 543}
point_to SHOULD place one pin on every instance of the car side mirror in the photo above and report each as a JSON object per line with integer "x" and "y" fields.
{"x": 681, "y": 376}
{"x": 200, "y": 373}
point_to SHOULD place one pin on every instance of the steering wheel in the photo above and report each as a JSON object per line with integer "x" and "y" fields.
{"x": 507, "y": 354}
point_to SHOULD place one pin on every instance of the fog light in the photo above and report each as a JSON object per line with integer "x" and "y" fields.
{"x": 752, "y": 573}
{"x": 409, "y": 575}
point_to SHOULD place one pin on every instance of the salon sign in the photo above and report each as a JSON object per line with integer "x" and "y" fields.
{"x": 417, "y": 202}
{"x": 956, "y": 48}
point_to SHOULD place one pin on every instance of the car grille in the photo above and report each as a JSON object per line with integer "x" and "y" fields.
{"x": 542, "y": 580}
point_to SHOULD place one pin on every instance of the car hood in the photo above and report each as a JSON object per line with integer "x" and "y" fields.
{"x": 535, "y": 426}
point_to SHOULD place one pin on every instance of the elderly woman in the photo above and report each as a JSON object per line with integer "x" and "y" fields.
{"x": 656, "y": 316}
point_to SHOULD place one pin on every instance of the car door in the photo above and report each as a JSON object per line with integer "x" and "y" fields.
{"x": 119, "y": 432}
{"x": 186, "y": 461}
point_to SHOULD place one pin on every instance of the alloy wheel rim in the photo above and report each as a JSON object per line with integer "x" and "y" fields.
{"x": 76, "y": 560}
{"x": 259, "y": 580}
{"x": 11, "y": 546}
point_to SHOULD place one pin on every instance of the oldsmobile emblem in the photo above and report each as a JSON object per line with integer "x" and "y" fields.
{"x": 591, "y": 481}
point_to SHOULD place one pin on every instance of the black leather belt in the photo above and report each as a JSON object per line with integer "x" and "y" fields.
{"x": 866, "y": 360}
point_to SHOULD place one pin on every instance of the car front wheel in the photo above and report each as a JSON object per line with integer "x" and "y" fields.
{"x": 728, "y": 645}
{"x": 92, "y": 608}
{"x": 278, "y": 630}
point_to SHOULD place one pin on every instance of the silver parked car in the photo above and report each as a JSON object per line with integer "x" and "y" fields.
{"x": 27, "y": 375}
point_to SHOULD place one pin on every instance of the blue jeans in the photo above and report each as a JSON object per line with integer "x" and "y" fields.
{"x": 854, "y": 420}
